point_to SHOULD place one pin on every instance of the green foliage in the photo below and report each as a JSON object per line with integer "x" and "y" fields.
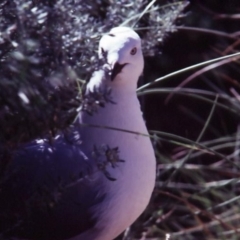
{"x": 47, "y": 48}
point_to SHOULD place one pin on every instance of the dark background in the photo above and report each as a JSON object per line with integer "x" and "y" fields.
{"x": 185, "y": 48}
{"x": 212, "y": 23}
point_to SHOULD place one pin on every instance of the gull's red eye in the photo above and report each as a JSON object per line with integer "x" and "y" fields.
{"x": 133, "y": 51}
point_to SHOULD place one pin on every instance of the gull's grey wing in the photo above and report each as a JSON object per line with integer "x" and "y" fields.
{"x": 48, "y": 191}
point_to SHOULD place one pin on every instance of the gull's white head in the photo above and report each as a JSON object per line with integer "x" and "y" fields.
{"x": 121, "y": 50}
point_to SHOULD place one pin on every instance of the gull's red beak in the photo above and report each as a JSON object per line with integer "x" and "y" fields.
{"x": 117, "y": 68}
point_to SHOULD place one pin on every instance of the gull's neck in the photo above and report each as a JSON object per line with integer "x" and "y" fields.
{"x": 136, "y": 176}
{"x": 124, "y": 114}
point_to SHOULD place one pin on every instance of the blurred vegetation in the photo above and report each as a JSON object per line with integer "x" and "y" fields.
{"x": 48, "y": 49}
